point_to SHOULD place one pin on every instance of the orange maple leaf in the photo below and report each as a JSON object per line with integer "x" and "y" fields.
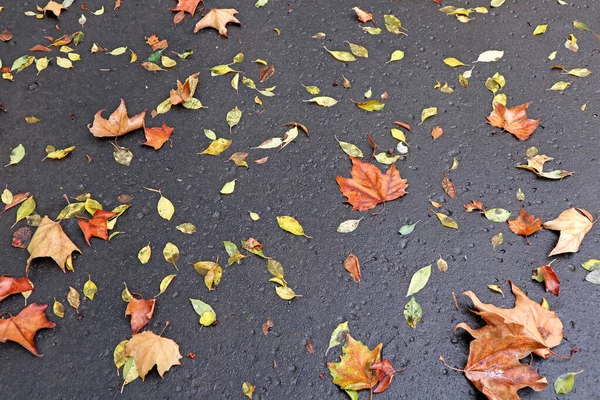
{"x": 10, "y": 285}
{"x": 185, "y": 91}
{"x": 141, "y": 311}
{"x": 188, "y": 6}
{"x": 117, "y": 124}
{"x": 157, "y": 136}
{"x": 218, "y": 18}
{"x": 513, "y": 120}
{"x": 353, "y": 372}
{"x": 525, "y": 224}
{"x": 362, "y": 15}
{"x": 97, "y": 226}
{"x": 24, "y": 326}
{"x": 369, "y": 187}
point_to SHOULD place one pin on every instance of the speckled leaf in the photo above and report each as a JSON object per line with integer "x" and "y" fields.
{"x": 90, "y": 288}
{"x": 413, "y": 313}
{"x": 497, "y": 214}
{"x": 338, "y": 336}
{"x": 564, "y": 383}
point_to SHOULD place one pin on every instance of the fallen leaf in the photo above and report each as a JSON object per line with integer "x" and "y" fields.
{"x": 248, "y": 388}
{"x": 353, "y": 267}
{"x": 323, "y": 101}
{"x": 437, "y": 132}
{"x": 21, "y": 238}
{"x": 149, "y": 349}
{"x": 267, "y": 326}
{"x": 573, "y": 225}
{"x": 536, "y": 163}
{"x": 413, "y": 312}
{"x": 497, "y": 240}
{"x": 54, "y": 7}
{"x": 547, "y": 275}
{"x": 188, "y": 6}
{"x": 369, "y": 187}
{"x": 497, "y": 214}
{"x": 157, "y": 136}
{"x": 446, "y": 220}
{"x": 419, "y": 280}
{"x": 218, "y": 18}
{"x": 448, "y": 187}
{"x": 363, "y": 16}
{"x": 385, "y": 373}
{"x": 513, "y": 120}
{"x": 185, "y": 91}
{"x": 90, "y": 289}
{"x": 6, "y": 36}
{"x": 525, "y": 224}
{"x": 97, "y": 226}
{"x": 352, "y": 371}
{"x": 211, "y": 271}
{"x": 348, "y": 226}
{"x": 118, "y": 124}
{"x": 370, "y": 105}
{"x": 49, "y": 240}
{"x": 564, "y": 383}
{"x": 338, "y": 336}
{"x": 206, "y": 313}
{"x": 171, "y": 254}
{"x": 141, "y": 311}
{"x": 73, "y": 298}
{"x": 23, "y": 327}
{"x": 291, "y": 224}
{"x": 10, "y": 285}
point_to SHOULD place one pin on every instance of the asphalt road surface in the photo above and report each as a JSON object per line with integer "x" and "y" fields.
{"x": 299, "y": 180}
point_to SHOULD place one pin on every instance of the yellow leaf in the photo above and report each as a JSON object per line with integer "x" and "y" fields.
{"x": 171, "y": 254}
{"x": 561, "y": 85}
{"x": 228, "y": 188}
{"x": 453, "y": 62}
{"x": 165, "y": 208}
{"x": 428, "y": 113}
{"x": 64, "y": 62}
{"x": 540, "y": 29}
{"x": 144, "y": 254}
{"x": 290, "y": 224}
{"x": 164, "y": 284}
{"x": 446, "y": 220}
{"x": 343, "y": 56}
{"x": 90, "y": 288}
{"x": 217, "y": 147}
{"x": 118, "y": 51}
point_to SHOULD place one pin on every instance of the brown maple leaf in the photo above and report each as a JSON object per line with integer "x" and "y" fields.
{"x": 185, "y": 91}
{"x": 353, "y": 267}
{"x": 493, "y": 365}
{"x": 157, "y": 136}
{"x": 49, "y": 240}
{"x": 525, "y": 224}
{"x": 141, "y": 311}
{"x": 23, "y": 327}
{"x": 385, "y": 373}
{"x": 538, "y": 323}
{"x": 536, "y": 165}
{"x": 54, "y": 7}
{"x": 513, "y": 120}
{"x": 353, "y": 372}
{"x": 157, "y": 44}
{"x": 369, "y": 187}
{"x": 573, "y": 225}
{"x": 10, "y": 285}
{"x": 188, "y": 6}
{"x": 97, "y": 226}
{"x": 149, "y": 349}
{"x": 363, "y": 16}
{"x": 118, "y": 124}
{"x": 473, "y": 206}
{"x": 218, "y": 18}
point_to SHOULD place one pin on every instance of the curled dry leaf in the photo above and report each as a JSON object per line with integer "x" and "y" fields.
{"x": 141, "y": 311}
{"x": 513, "y": 120}
{"x": 97, "y": 226}
{"x": 188, "y": 6}
{"x": 267, "y": 326}
{"x": 448, "y": 187}
{"x": 573, "y": 225}
{"x": 385, "y": 373}
{"x": 23, "y": 327}
{"x": 10, "y": 285}
{"x": 218, "y": 18}
{"x": 369, "y": 187}
{"x": 118, "y": 124}
{"x": 525, "y": 224}
{"x": 363, "y": 16}
{"x": 185, "y": 91}
{"x": 437, "y": 132}
{"x": 49, "y": 240}
{"x": 547, "y": 275}
{"x": 473, "y": 206}
{"x": 536, "y": 163}
{"x": 353, "y": 267}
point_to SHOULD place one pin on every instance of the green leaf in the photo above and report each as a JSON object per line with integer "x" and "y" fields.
{"x": 393, "y": 24}
{"x": 581, "y": 26}
{"x": 358, "y": 50}
{"x": 338, "y": 336}
{"x": 233, "y": 117}
{"x": 413, "y": 313}
{"x": 261, "y": 3}
{"x": 130, "y": 372}
{"x": 25, "y": 209}
{"x": 16, "y": 155}
{"x": 564, "y": 383}
{"x": 419, "y": 280}
{"x": 407, "y": 229}
{"x": 206, "y": 312}
{"x": 275, "y": 268}
{"x": 497, "y": 214}
{"x": 371, "y": 30}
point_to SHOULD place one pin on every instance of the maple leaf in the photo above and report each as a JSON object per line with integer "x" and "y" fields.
{"x": 117, "y": 124}
{"x": 188, "y": 6}
{"x": 493, "y": 365}
{"x": 149, "y": 349}
{"x": 536, "y": 165}
{"x": 49, "y": 240}
{"x": 10, "y": 285}
{"x": 538, "y": 323}
{"x": 185, "y": 91}
{"x": 97, "y": 226}
{"x": 474, "y": 205}
{"x": 353, "y": 267}
{"x": 157, "y": 136}
{"x": 54, "y": 7}
{"x": 525, "y": 224}
{"x": 157, "y": 44}
{"x": 385, "y": 373}
{"x": 362, "y": 15}
{"x": 218, "y": 18}
{"x": 573, "y": 225}
{"x": 352, "y": 371}
{"x": 24, "y": 326}
{"x": 513, "y": 120}
{"x": 141, "y": 311}
{"x": 369, "y": 187}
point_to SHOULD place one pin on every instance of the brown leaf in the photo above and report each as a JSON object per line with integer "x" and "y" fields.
{"x": 267, "y": 326}
{"x": 474, "y": 205}
{"x": 117, "y": 124}
{"x": 218, "y": 18}
{"x": 309, "y": 347}
{"x": 117, "y": 4}
{"x": 266, "y": 72}
{"x": 16, "y": 200}
{"x": 6, "y": 36}
{"x": 550, "y": 279}
{"x": 513, "y": 120}
{"x": 40, "y": 47}
{"x": 21, "y": 237}
{"x": 141, "y": 312}
{"x": 10, "y": 285}
{"x": 437, "y": 132}
{"x": 573, "y": 225}
{"x": 185, "y": 91}
{"x": 24, "y": 326}
{"x": 369, "y": 187}
{"x": 363, "y": 16}
{"x": 49, "y": 240}
{"x": 157, "y": 136}
{"x": 188, "y": 6}
{"x": 149, "y": 349}
{"x": 54, "y": 7}
{"x": 97, "y": 226}
{"x": 525, "y": 224}
{"x": 157, "y": 44}
{"x": 527, "y": 318}
{"x": 448, "y": 187}
{"x": 385, "y": 373}
{"x": 402, "y": 124}
{"x": 352, "y": 371}
{"x": 353, "y": 267}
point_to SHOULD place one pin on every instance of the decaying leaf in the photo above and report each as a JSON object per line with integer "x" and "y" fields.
{"x": 141, "y": 311}
{"x": 513, "y": 120}
{"x": 413, "y": 312}
{"x": 573, "y": 225}
{"x": 118, "y": 124}
{"x": 353, "y": 267}
{"x": 547, "y": 275}
{"x": 49, "y": 240}
{"x": 536, "y": 163}
{"x": 363, "y": 16}
{"x": 448, "y": 187}
{"x": 446, "y": 220}
{"x": 369, "y": 187}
